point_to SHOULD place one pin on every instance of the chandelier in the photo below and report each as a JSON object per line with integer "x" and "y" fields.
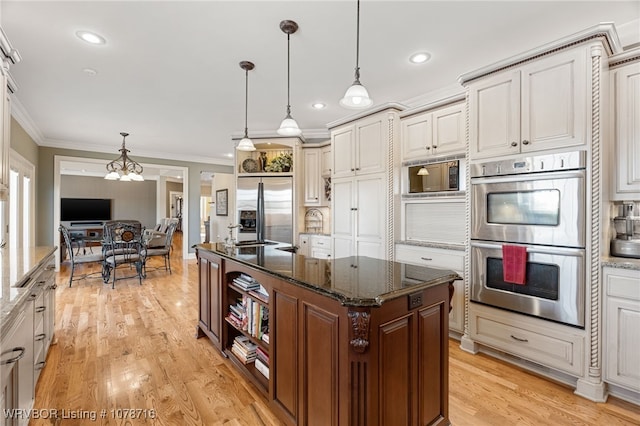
{"x": 123, "y": 167}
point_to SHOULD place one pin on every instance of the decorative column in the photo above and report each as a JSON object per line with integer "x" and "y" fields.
{"x": 592, "y": 386}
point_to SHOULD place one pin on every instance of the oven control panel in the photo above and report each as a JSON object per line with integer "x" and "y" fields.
{"x": 574, "y": 160}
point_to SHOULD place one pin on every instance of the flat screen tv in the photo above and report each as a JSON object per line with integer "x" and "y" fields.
{"x": 85, "y": 209}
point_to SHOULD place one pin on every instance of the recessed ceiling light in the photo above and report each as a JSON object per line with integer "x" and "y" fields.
{"x": 90, "y": 37}
{"x": 419, "y": 58}
{"x": 229, "y": 155}
{"x": 318, "y": 105}
{"x": 90, "y": 71}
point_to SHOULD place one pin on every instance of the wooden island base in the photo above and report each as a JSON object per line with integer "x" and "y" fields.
{"x": 334, "y": 360}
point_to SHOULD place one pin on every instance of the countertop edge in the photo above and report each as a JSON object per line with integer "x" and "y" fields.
{"x": 344, "y": 301}
{"x": 9, "y": 313}
{"x": 620, "y": 263}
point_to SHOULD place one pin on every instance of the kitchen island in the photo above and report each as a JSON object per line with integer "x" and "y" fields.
{"x": 349, "y": 341}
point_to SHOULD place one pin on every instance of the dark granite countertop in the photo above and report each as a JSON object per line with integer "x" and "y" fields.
{"x": 354, "y": 281}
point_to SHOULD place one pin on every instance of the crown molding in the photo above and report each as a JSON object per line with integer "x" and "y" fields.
{"x": 379, "y": 108}
{"x": 605, "y": 31}
{"x": 23, "y": 118}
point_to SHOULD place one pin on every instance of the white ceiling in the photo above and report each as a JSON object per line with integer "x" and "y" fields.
{"x": 169, "y": 72}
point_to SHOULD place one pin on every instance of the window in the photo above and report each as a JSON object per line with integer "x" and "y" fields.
{"x": 21, "y": 201}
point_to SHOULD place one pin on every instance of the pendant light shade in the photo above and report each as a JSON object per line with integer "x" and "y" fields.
{"x": 423, "y": 171}
{"x": 245, "y": 143}
{"x": 357, "y": 96}
{"x": 289, "y": 126}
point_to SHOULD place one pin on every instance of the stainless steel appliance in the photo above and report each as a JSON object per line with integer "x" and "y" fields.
{"x": 537, "y": 202}
{"x": 434, "y": 177}
{"x": 627, "y": 240}
{"x": 278, "y": 207}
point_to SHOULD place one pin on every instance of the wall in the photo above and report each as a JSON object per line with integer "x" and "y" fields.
{"x": 131, "y": 200}
{"x": 218, "y": 226}
{"x": 44, "y": 195}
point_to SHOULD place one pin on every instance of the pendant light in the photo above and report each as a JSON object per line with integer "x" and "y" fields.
{"x": 245, "y": 143}
{"x": 289, "y": 127}
{"x": 357, "y": 96}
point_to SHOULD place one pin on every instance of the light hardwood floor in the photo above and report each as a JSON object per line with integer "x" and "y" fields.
{"x": 134, "y": 347}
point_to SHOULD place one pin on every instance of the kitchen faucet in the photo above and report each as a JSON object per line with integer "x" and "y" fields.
{"x": 229, "y": 241}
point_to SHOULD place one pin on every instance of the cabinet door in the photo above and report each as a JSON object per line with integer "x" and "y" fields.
{"x": 342, "y": 205}
{"x": 342, "y": 148}
{"x": 215, "y": 302}
{"x": 312, "y": 177}
{"x": 622, "y": 327}
{"x": 370, "y": 193}
{"x": 553, "y": 99}
{"x": 448, "y": 130}
{"x": 210, "y": 298}
{"x": 325, "y": 161}
{"x": 627, "y": 104}
{"x": 371, "y": 145}
{"x": 623, "y": 343}
{"x": 494, "y": 116}
{"x": 416, "y": 136}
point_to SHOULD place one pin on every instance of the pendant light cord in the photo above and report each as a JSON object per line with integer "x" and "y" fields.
{"x": 288, "y": 74}
{"x": 358, "y": 43}
{"x": 246, "y": 101}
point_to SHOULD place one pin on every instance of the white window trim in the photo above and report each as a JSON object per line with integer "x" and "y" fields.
{"x": 25, "y": 168}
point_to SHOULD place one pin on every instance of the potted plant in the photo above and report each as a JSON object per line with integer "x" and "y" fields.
{"x": 281, "y": 163}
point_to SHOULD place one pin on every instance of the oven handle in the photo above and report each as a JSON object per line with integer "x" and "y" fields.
{"x": 565, "y": 251}
{"x": 528, "y": 177}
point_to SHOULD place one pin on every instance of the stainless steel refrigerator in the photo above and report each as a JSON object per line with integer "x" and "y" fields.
{"x": 278, "y": 208}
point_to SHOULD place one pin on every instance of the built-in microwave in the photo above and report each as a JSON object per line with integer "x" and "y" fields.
{"x": 434, "y": 177}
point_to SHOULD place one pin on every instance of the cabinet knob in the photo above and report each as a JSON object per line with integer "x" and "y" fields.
{"x": 525, "y": 142}
{"x": 427, "y": 147}
{"x": 514, "y": 143}
{"x": 435, "y": 146}
{"x": 357, "y": 168}
{"x": 353, "y": 170}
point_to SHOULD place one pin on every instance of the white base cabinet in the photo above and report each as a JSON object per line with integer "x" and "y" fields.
{"x": 443, "y": 259}
{"x": 622, "y": 328}
{"x": 545, "y": 343}
{"x": 16, "y": 367}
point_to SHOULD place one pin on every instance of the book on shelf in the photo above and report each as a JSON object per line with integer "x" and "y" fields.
{"x": 245, "y": 282}
{"x": 262, "y": 368}
{"x": 260, "y": 293}
{"x": 244, "y": 349}
{"x": 262, "y": 355}
{"x": 265, "y": 338}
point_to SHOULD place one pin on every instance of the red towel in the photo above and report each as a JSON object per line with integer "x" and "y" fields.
{"x": 514, "y": 264}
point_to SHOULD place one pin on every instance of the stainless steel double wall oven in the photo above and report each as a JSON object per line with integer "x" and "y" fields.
{"x": 538, "y": 202}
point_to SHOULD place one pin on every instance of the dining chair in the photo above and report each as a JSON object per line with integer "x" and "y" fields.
{"x": 164, "y": 250}
{"x": 77, "y": 258}
{"x": 122, "y": 245}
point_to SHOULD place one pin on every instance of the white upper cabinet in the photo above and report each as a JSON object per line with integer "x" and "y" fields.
{"x": 325, "y": 161}
{"x": 312, "y": 178}
{"x": 537, "y": 106}
{"x": 434, "y": 132}
{"x": 361, "y": 147}
{"x": 626, "y": 90}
